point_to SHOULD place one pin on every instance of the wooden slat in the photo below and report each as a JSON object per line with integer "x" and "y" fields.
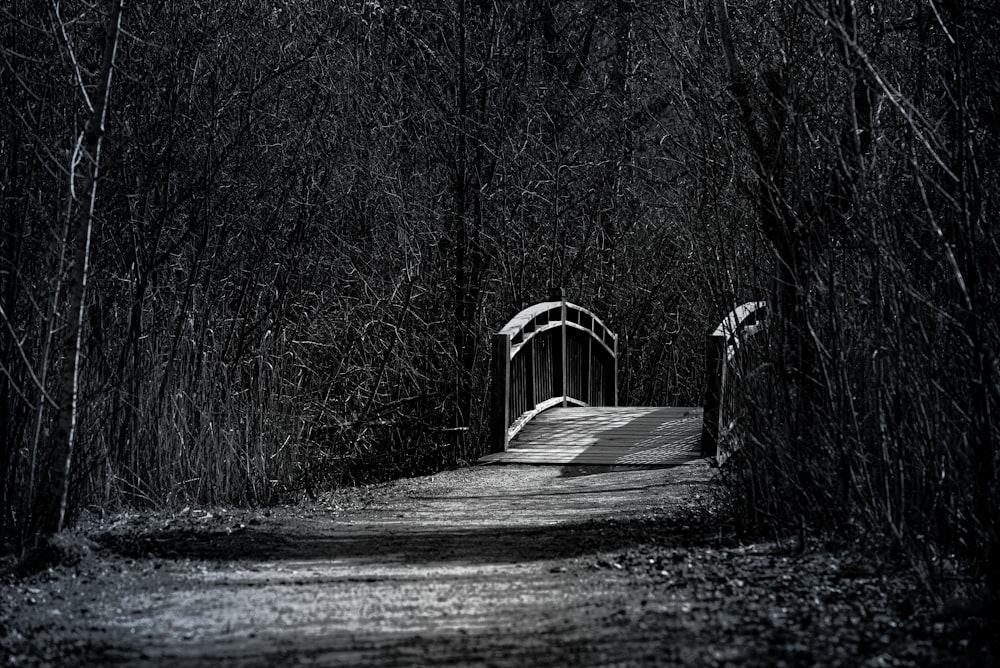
{"x": 634, "y": 435}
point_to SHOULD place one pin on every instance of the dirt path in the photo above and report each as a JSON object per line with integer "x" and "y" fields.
{"x": 507, "y": 566}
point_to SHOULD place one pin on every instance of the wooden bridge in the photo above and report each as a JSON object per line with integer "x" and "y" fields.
{"x": 555, "y": 394}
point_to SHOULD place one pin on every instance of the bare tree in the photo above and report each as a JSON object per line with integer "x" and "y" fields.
{"x": 84, "y": 173}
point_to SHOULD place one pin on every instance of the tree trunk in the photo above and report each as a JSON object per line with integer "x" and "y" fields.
{"x": 53, "y": 494}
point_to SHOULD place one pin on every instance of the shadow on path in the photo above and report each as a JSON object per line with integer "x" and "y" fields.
{"x": 389, "y": 543}
{"x": 581, "y": 470}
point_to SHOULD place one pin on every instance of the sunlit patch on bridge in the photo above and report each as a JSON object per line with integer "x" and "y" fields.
{"x": 607, "y": 435}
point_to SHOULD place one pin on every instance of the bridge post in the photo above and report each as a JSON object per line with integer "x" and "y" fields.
{"x": 715, "y": 369}
{"x": 500, "y": 393}
{"x": 559, "y": 295}
{"x": 614, "y": 379}
{"x": 563, "y": 355}
{"x": 739, "y": 325}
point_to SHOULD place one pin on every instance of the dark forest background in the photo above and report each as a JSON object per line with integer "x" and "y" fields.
{"x": 252, "y": 250}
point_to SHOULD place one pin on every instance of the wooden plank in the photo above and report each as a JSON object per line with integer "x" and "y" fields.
{"x": 676, "y": 442}
{"x": 596, "y": 437}
{"x": 674, "y": 447}
{"x": 563, "y": 455}
{"x": 625, "y": 460}
{"x": 639, "y": 435}
{"x": 587, "y": 414}
{"x": 633, "y": 421}
{"x": 611, "y": 432}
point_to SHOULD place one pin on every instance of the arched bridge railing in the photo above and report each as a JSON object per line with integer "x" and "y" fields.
{"x": 551, "y": 354}
{"x": 725, "y": 367}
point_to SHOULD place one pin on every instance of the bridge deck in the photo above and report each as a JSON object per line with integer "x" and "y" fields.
{"x": 642, "y": 436}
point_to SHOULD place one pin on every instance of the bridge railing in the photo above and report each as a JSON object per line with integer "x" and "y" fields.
{"x": 728, "y": 362}
{"x": 551, "y": 354}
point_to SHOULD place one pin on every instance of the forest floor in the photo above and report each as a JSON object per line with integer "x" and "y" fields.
{"x": 498, "y": 565}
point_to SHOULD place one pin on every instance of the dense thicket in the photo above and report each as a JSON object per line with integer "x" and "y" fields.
{"x": 310, "y": 216}
{"x": 871, "y": 136}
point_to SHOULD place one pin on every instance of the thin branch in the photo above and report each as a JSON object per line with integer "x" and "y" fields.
{"x": 68, "y": 44}
{"x": 911, "y": 115}
{"x": 27, "y": 363}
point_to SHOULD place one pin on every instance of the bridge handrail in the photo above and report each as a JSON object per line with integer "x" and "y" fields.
{"x": 546, "y": 356}
{"x": 721, "y": 347}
